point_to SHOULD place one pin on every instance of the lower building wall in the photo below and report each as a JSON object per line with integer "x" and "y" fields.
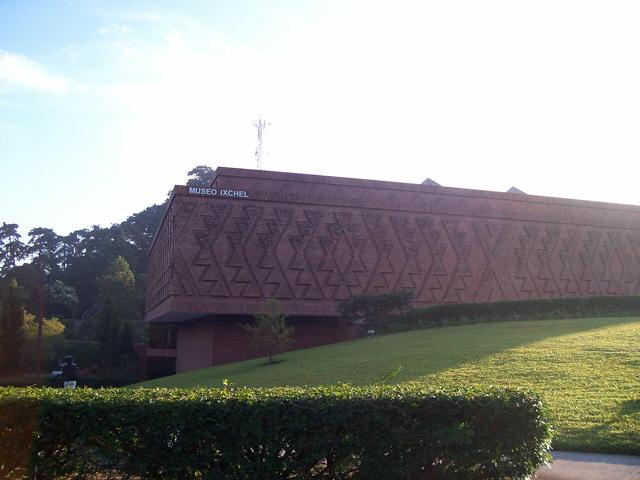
{"x": 194, "y": 347}
{"x": 225, "y": 341}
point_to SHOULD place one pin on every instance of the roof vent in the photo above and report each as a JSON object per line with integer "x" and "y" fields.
{"x": 515, "y": 190}
{"x": 431, "y": 183}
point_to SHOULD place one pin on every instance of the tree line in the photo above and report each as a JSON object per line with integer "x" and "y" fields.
{"x": 96, "y": 270}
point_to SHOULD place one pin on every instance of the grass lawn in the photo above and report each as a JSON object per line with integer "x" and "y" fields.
{"x": 586, "y": 370}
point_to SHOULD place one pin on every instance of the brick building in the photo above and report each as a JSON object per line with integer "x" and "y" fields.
{"x": 312, "y": 241}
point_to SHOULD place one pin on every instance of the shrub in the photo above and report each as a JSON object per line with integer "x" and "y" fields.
{"x": 373, "y": 308}
{"x": 537, "y": 309}
{"x": 341, "y": 432}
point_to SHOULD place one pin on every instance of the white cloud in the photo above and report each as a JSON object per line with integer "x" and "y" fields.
{"x": 18, "y": 69}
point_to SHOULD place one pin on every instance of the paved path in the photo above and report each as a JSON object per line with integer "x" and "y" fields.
{"x": 591, "y": 466}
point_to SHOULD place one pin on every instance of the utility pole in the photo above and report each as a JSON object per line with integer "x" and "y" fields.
{"x": 260, "y": 124}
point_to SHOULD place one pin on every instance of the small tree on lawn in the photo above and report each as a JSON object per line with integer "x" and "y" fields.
{"x": 12, "y": 331}
{"x": 270, "y": 333}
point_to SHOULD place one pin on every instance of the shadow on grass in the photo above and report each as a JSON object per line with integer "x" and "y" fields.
{"x": 603, "y": 438}
{"x": 606, "y": 437}
{"x": 630, "y": 407}
{"x": 273, "y": 362}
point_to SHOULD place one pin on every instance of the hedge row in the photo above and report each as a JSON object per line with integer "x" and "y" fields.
{"x": 341, "y": 432}
{"x": 538, "y": 309}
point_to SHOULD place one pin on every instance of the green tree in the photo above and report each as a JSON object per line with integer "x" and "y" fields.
{"x": 109, "y": 334}
{"x": 119, "y": 310}
{"x": 200, "y": 176}
{"x": 43, "y": 248}
{"x": 69, "y": 249}
{"x": 12, "y": 329}
{"x": 53, "y": 340}
{"x": 85, "y": 255}
{"x": 270, "y": 333}
{"x": 126, "y": 338}
{"x": 11, "y": 248}
{"x": 61, "y": 298}
{"x": 118, "y": 285}
{"x": 28, "y": 278}
{"x": 140, "y": 228}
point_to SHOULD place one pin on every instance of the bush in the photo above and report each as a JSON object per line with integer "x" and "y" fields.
{"x": 373, "y": 308}
{"x": 340, "y": 432}
{"x": 538, "y": 309}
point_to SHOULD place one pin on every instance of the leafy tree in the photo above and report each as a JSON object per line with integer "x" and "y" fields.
{"x": 95, "y": 248}
{"x": 140, "y": 228}
{"x": 118, "y": 285}
{"x": 69, "y": 249}
{"x": 53, "y": 340}
{"x": 373, "y": 308}
{"x": 126, "y": 338}
{"x": 270, "y": 333}
{"x": 12, "y": 329}
{"x": 29, "y": 278}
{"x": 43, "y": 249}
{"x": 61, "y": 298}
{"x": 200, "y": 176}
{"x": 118, "y": 293}
{"x": 12, "y": 249}
{"x": 90, "y": 251}
{"x": 109, "y": 334}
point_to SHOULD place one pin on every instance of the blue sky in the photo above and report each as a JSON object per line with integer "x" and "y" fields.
{"x": 104, "y": 105}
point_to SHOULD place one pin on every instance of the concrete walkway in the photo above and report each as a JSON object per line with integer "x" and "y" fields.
{"x": 591, "y": 466}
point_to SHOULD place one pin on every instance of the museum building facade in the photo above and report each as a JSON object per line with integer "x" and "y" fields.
{"x": 312, "y": 241}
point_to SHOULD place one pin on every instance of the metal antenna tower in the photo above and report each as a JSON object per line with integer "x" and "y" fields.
{"x": 260, "y": 124}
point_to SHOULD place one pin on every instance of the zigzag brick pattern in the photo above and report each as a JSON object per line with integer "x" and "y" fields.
{"x": 311, "y": 244}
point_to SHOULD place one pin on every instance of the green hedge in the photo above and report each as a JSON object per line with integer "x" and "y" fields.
{"x": 538, "y": 309}
{"x": 342, "y": 432}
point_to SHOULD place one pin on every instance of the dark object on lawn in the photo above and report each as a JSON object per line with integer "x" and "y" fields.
{"x": 70, "y": 372}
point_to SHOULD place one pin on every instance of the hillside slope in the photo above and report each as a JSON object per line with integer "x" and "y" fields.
{"x": 586, "y": 370}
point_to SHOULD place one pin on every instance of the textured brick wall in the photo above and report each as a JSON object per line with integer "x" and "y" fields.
{"x": 312, "y": 241}
{"x": 159, "y": 265}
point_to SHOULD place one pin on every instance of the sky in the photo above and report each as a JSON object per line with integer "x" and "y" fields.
{"x": 105, "y": 105}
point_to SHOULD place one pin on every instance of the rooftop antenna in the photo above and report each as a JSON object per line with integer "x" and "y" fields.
{"x": 260, "y": 124}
